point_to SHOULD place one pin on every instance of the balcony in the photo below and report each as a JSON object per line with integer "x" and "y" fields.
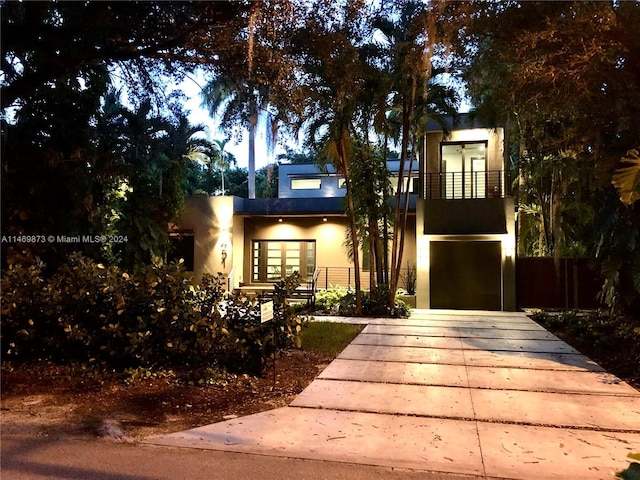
{"x": 467, "y": 185}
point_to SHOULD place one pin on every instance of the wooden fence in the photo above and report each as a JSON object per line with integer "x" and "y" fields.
{"x": 572, "y": 283}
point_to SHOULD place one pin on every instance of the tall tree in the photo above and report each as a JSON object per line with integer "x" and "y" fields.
{"x": 267, "y": 181}
{"x": 568, "y": 85}
{"x": 49, "y": 161}
{"x": 148, "y": 163}
{"x": 254, "y": 81}
{"x": 335, "y": 73}
{"x": 224, "y": 160}
{"x": 240, "y": 104}
{"x": 412, "y": 44}
{"x": 44, "y": 42}
{"x": 55, "y": 67}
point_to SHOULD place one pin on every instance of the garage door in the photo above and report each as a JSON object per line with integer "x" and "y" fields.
{"x": 465, "y": 275}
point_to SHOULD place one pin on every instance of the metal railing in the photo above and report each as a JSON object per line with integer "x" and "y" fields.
{"x": 230, "y": 279}
{"x": 460, "y": 185}
{"x": 345, "y": 277}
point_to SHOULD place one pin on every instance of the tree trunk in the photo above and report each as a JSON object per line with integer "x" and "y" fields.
{"x": 385, "y": 225}
{"x": 253, "y": 126}
{"x": 403, "y": 226}
{"x": 399, "y": 221}
{"x": 372, "y": 254}
{"x": 342, "y": 153}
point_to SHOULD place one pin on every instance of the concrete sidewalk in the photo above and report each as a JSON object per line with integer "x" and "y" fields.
{"x": 484, "y": 394}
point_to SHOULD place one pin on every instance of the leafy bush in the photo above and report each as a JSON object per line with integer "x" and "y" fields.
{"x": 249, "y": 343}
{"x": 375, "y": 303}
{"x": 329, "y": 300}
{"x": 86, "y": 312}
{"x": 611, "y": 340}
{"x": 24, "y": 316}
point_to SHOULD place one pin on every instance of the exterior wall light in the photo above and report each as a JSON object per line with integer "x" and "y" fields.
{"x": 509, "y": 246}
{"x": 324, "y": 219}
{"x": 280, "y": 220}
{"x": 223, "y": 254}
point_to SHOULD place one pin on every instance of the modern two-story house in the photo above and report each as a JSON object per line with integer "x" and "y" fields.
{"x": 465, "y": 222}
{"x": 460, "y": 234}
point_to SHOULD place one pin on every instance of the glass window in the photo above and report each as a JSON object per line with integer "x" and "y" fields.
{"x": 412, "y": 182}
{"x": 306, "y": 183}
{"x": 464, "y": 168}
{"x": 276, "y": 259}
{"x": 183, "y": 246}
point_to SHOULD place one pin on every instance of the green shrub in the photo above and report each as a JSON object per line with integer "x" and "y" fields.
{"x": 375, "y": 303}
{"x": 329, "y": 300}
{"x": 611, "y": 340}
{"x": 24, "y": 312}
{"x": 244, "y": 337}
{"x": 249, "y": 343}
{"x": 156, "y": 319}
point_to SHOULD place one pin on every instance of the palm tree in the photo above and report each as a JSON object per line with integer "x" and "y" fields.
{"x": 242, "y": 104}
{"x": 223, "y": 160}
{"x": 414, "y": 97}
{"x": 333, "y": 101}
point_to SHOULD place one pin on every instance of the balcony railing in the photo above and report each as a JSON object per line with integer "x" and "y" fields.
{"x": 460, "y": 185}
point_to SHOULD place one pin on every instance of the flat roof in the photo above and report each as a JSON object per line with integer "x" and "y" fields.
{"x": 461, "y": 121}
{"x": 297, "y": 206}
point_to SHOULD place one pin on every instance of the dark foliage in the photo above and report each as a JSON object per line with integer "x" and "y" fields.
{"x": 156, "y": 319}
{"x": 612, "y": 341}
{"x": 44, "y": 42}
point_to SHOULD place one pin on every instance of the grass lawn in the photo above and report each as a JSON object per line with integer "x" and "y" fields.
{"x": 328, "y": 338}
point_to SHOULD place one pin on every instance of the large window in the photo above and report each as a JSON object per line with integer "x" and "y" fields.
{"x": 306, "y": 183}
{"x": 464, "y": 168}
{"x": 276, "y": 259}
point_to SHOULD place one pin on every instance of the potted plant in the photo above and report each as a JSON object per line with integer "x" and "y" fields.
{"x": 409, "y": 279}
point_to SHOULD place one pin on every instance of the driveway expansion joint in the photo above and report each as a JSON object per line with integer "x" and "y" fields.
{"x": 473, "y": 395}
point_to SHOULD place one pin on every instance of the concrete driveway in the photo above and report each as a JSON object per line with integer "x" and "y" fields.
{"x": 482, "y": 394}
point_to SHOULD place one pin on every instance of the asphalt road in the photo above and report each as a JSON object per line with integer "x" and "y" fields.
{"x": 43, "y": 458}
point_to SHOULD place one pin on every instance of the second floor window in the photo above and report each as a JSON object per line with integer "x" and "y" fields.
{"x": 464, "y": 167}
{"x": 306, "y": 183}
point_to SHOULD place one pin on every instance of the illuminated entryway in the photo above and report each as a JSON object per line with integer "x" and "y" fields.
{"x": 274, "y": 260}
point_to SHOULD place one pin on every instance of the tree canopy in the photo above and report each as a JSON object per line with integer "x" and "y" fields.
{"x": 44, "y": 42}
{"x": 567, "y": 85}
{"x": 357, "y": 78}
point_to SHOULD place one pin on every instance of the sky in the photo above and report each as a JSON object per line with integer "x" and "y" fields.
{"x": 191, "y": 87}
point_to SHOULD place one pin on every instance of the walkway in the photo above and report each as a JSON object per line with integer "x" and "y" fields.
{"x": 483, "y": 394}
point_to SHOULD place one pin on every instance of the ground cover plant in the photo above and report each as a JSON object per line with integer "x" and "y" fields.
{"x": 612, "y": 341}
{"x": 328, "y": 338}
{"x": 375, "y": 303}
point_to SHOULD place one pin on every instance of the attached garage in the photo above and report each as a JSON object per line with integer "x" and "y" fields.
{"x": 466, "y": 275}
